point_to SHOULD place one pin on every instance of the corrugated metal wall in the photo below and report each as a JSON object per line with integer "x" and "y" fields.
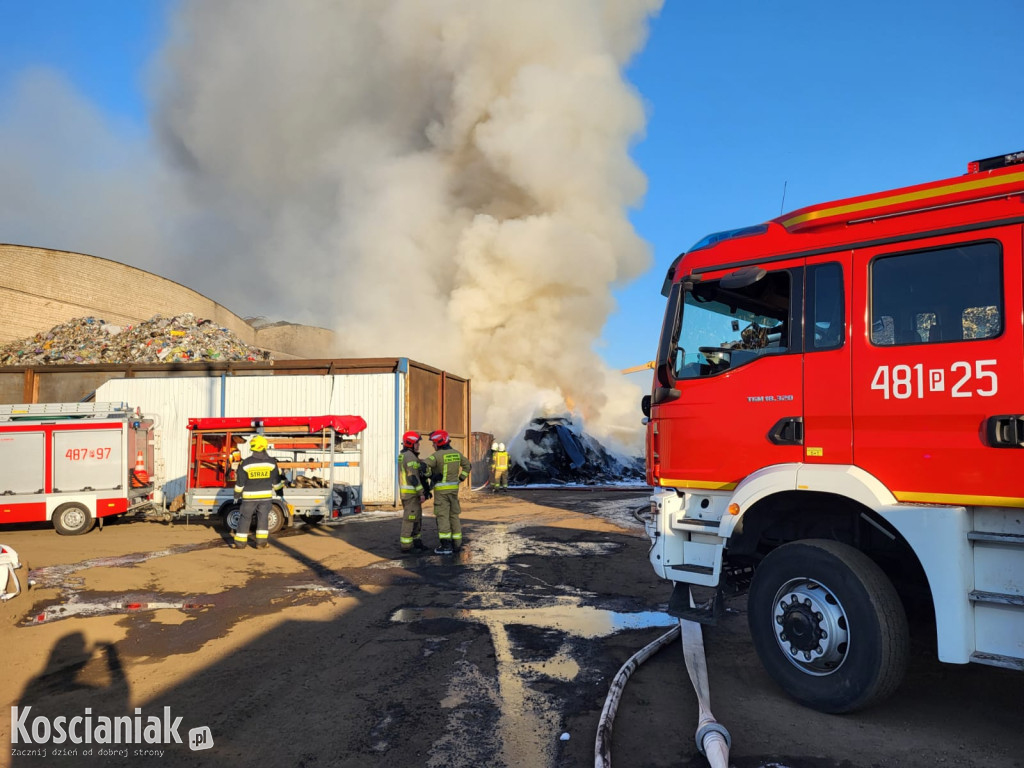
{"x": 174, "y": 401}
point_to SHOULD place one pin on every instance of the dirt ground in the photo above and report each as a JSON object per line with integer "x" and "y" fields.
{"x": 332, "y": 648}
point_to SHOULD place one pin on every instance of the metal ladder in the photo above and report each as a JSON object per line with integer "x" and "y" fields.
{"x": 37, "y": 411}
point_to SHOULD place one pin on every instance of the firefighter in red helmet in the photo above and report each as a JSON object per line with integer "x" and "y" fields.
{"x": 414, "y": 488}
{"x": 448, "y": 468}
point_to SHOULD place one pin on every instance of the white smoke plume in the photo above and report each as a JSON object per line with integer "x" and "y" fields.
{"x": 446, "y": 180}
{"x": 449, "y": 178}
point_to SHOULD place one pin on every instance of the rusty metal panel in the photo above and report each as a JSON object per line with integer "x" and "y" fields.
{"x": 52, "y": 387}
{"x": 12, "y": 388}
{"x": 479, "y": 454}
{"x": 456, "y": 416}
{"x": 423, "y": 400}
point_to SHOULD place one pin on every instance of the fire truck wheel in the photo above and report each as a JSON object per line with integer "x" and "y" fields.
{"x": 72, "y": 519}
{"x": 828, "y": 625}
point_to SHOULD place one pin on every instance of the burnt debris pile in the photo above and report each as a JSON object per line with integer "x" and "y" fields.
{"x": 179, "y": 339}
{"x": 554, "y": 450}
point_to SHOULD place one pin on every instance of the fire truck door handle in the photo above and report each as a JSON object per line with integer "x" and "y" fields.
{"x": 1005, "y": 431}
{"x": 788, "y": 431}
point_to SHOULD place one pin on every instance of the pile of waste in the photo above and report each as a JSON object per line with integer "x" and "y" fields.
{"x": 183, "y": 338}
{"x": 554, "y": 450}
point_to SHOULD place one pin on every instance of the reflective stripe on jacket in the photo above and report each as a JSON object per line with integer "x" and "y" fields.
{"x": 258, "y": 477}
{"x": 409, "y": 470}
{"x": 449, "y": 468}
{"x": 499, "y": 460}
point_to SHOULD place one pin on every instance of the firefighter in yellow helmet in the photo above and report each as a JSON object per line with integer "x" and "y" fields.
{"x": 448, "y": 468}
{"x": 258, "y": 480}
{"x": 499, "y": 468}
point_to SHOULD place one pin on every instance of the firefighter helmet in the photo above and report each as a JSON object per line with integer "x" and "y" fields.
{"x": 439, "y": 437}
{"x": 258, "y": 443}
{"x": 494, "y": 446}
{"x": 409, "y": 439}
{"x": 501, "y": 447}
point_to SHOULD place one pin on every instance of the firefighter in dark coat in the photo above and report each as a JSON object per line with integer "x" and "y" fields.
{"x": 449, "y": 468}
{"x": 258, "y": 479}
{"x": 414, "y": 488}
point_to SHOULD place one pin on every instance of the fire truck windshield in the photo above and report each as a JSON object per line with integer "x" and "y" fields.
{"x": 719, "y": 329}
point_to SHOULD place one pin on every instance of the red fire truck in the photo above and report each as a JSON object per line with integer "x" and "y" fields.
{"x": 837, "y": 421}
{"x": 319, "y": 457}
{"x": 73, "y": 463}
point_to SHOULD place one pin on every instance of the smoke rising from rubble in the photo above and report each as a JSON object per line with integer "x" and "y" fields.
{"x": 454, "y": 174}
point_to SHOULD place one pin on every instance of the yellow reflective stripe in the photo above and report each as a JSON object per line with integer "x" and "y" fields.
{"x": 958, "y": 499}
{"x": 257, "y": 494}
{"x": 907, "y": 197}
{"x": 405, "y": 539}
{"x": 238, "y": 488}
{"x": 445, "y": 486}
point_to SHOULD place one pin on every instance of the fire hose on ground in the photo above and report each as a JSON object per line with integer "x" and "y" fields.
{"x": 713, "y": 740}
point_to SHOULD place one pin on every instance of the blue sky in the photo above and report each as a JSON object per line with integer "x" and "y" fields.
{"x": 745, "y": 99}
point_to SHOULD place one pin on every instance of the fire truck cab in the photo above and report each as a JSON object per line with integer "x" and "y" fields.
{"x": 837, "y": 420}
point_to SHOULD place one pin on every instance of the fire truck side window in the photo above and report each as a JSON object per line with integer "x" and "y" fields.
{"x": 941, "y": 295}
{"x": 723, "y": 328}
{"x": 826, "y": 307}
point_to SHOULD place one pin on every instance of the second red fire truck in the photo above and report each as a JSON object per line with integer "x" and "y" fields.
{"x": 73, "y": 464}
{"x": 837, "y": 420}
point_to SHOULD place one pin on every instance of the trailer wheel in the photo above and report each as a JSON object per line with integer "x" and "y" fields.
{"x": 231, "y": 510}
{"x": 72, "y": 519}
{"x": 276, "y": 519}
{"x": 229, "y": 515}
{"x": 828, "y": 625}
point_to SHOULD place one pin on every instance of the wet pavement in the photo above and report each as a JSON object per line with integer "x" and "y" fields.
{"x": 500, "y": 655}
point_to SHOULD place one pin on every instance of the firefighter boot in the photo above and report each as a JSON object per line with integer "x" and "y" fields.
{"x": 418, "y": 545}
{"x": 444, "y": 548}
